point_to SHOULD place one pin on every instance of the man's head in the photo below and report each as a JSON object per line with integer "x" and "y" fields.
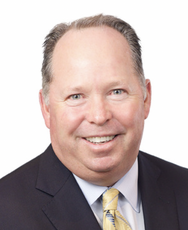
{"x": 97, "y": 99}
{"x": 97, "y": 21}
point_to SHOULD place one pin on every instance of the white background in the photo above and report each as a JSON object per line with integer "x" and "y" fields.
{"x": 163, "y": 29}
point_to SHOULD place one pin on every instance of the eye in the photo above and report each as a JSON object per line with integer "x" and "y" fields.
{"x": 117, "y": 91}
{"x": 75, "y": 99}
{"x": 118, "y": 94}
{"x": 75, "y": 96}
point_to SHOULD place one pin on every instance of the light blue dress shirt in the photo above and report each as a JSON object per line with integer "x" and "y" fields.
{"x": 129, "y": 202}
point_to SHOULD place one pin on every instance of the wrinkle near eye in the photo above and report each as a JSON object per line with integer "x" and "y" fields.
{"x": 118, "y": 94}
{"x": 76, "y": 99}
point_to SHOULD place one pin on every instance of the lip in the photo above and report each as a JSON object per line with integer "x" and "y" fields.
{"x": 100, "y": 139}
{"x": 101, "y": 135}
{"x": 103, "y": 146}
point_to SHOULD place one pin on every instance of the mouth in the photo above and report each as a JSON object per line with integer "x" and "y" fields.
{"x": 100, "y": 140}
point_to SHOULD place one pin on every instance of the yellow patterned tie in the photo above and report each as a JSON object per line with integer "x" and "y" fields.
{"x": 112, "y": 219}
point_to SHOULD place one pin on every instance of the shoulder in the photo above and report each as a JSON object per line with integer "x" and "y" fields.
{"x": 25, "y": 176}
{"x": 15, "y": 194}
{"x": 28, "y": 169}
{"x": 20, "y": 181}
{"x": 21, "y": 172}
{"x": 177, "y": 175}
{"x": 170, "y": 179}
{"x": 161, "y": 163}
{"x": 19, "y": 198}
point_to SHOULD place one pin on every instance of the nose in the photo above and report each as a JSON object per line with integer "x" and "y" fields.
{"x": 98, "y": 111}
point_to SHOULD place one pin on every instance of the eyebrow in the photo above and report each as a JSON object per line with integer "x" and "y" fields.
{"x": 115, "y": 83}
{"x": 75, "y": 88}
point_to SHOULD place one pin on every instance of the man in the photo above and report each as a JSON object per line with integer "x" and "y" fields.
{"x": 94, "y": 101}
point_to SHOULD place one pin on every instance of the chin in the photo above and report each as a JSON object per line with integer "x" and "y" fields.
{"x": 100, "y": 166}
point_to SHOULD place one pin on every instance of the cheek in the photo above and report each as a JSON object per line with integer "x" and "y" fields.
{"x": 131, "y": 115}
{"x": 67, "y": 120}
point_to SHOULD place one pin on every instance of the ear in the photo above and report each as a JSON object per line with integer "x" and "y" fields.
{"x": 44, "y": 109}
{"x": 147, "y": 101}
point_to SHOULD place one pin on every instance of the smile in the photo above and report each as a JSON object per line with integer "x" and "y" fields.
{"x": 100, "y": 140}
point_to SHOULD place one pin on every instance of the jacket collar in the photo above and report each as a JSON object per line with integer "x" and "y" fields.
{"x": 68, "y": 208}
{"x": 158, "y": 198}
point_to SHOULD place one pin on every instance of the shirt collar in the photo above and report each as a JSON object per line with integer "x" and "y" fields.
{"x": 127, "y": 185}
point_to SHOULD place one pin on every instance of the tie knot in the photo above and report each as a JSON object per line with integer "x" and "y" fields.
{"x": 110, "y": 199}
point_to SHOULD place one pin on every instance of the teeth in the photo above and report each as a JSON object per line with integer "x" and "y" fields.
{"x": 99, "y": 140}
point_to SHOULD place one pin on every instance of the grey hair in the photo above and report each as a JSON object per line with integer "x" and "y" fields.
{"x": 95, "y": 21}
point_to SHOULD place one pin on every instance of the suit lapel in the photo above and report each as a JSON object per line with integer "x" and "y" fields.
{"x": 68, "y": 208}
{"x": 158, "y": 199}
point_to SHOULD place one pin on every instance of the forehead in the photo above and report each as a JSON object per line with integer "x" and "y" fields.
{"x": 96, "y": 56}
{"x": 95, "y": 51}
{"x": 94, "y": 39}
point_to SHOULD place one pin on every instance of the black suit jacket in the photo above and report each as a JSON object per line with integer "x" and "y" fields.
{"x": 43, "y": 195}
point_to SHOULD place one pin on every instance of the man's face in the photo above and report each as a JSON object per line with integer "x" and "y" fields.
{"x": 96, "y": 105}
